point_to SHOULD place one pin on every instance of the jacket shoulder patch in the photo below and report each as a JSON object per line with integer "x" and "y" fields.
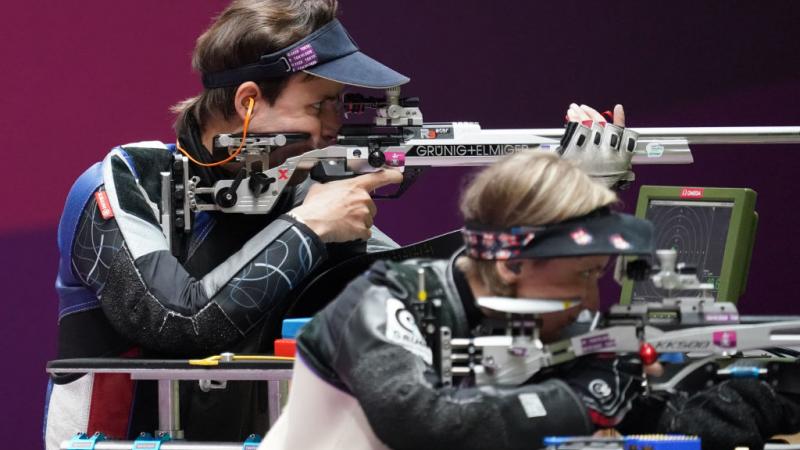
{"x": 401, "y": 329}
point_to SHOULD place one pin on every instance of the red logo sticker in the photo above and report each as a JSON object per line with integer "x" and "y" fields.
{"x": 103, "y": 204}
{"x": 283, "y": 174}
{"x": 692, "y": 192}
{"x": 581, "y": 237}
{"x": 619, "y": 242}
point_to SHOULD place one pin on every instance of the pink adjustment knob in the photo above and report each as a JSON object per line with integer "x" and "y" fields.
{"x": 395, "y": 159}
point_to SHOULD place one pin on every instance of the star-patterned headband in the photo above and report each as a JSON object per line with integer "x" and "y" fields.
{"x": 601, "y": 232}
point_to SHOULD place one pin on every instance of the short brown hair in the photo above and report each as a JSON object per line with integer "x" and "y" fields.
{"x": 528, "y": 188}
{"x": 244, "y": 31}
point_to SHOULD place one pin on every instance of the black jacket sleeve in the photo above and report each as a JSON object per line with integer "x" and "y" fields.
{"x": 734, "y": 413}
{"x": 151, "y": 299}
{"x": 367, "y": 343}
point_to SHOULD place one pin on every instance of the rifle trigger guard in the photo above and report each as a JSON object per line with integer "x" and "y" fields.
{"x": 410, "y": 175}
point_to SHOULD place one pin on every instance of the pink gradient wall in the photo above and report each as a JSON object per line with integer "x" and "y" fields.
{"x": 81, "y": 77}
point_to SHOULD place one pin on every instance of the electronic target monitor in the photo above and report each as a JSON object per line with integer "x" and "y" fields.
{"x": 712, "y": 229}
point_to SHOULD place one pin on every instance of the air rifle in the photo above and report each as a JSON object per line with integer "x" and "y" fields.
{"x": 399, "y": 139}
{"x": 698, "y": 326}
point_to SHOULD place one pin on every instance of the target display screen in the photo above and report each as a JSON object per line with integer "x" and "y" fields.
{"x": 698, "y": 230}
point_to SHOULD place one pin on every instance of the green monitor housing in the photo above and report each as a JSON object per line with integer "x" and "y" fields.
{"x": 713, "y": 230}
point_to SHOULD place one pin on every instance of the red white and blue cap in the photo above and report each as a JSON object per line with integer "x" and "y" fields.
{"x": 601, "y": 232}
{"x": 328, "y": 52}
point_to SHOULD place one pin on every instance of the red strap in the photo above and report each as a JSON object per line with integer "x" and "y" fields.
{"x": 603, "y": 421}
{"x": 112, "y": 398}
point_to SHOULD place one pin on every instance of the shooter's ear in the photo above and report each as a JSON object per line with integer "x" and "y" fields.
{"x": 244, "y": 93}
{"x": 509, "y": 271}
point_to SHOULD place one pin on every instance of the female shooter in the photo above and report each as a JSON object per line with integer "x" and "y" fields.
{"x": 536, "y": 227}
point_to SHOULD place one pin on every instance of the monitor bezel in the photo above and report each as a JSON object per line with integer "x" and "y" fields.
{"x": 738, "y": 243}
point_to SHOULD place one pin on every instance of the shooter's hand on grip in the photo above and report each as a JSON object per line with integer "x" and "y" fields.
{"x": 342, "y": 210}
{"x": 607, "y": 384}
{"x": 738, "y": 412}
{"x": 602, "y": 150}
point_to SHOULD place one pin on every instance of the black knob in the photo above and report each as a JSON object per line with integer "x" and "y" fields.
{"x": 259, "y": 183}
{"x": 638, "y": 270}
{"x": 226, "y": 197}
{"x": 376, "y": 158}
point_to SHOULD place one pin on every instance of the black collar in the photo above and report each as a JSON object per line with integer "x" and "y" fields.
{"x": 474, "y": 315}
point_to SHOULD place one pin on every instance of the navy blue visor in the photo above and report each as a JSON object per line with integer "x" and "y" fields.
{"x": 329, "y": 53}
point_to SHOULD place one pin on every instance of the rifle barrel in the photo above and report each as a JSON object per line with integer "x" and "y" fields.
{"x": 708, "y": 135}
{"x": 750, "y": 319}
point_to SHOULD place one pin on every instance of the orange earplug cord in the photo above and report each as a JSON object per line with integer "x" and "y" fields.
{"x": 250, "y": 105}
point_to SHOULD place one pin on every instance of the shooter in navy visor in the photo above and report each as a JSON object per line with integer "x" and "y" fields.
{"x": 278, "y": 67}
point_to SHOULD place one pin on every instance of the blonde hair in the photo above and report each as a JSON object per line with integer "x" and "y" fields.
{"x": 244, "y": 31}
{"x": 527, "y": 188}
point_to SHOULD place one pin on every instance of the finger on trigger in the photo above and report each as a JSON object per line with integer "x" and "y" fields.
{"x": 371, "y": 181}
{"x": 593, "y": 114}
{"x": 619, "y": 116}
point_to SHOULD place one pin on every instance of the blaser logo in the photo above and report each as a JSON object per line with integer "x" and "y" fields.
{"x": 692, "y": 192}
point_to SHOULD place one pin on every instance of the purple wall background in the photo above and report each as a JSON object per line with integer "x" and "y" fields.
{"x": 82, "y": 77}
